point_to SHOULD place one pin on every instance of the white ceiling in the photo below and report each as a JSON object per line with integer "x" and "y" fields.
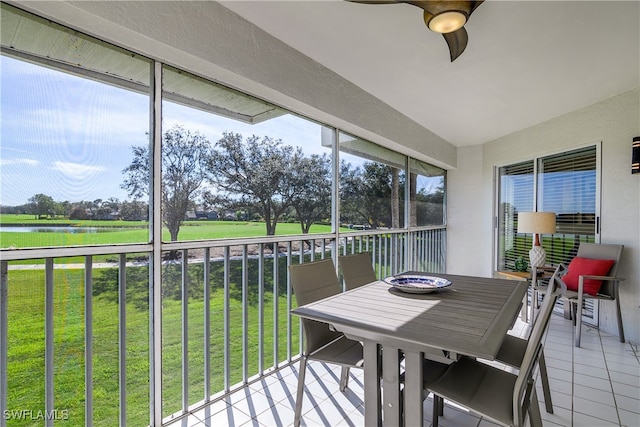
{"x": 526, "y": 61}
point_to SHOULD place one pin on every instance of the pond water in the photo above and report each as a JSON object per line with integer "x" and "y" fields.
{"x": 54, "y": 229}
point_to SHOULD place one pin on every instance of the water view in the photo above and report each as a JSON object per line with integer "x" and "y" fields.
{"x": 54, "y": 229}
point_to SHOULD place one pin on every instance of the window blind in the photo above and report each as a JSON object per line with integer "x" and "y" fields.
{"x": 516, "y": 195}
{"x": 567, "y": 186}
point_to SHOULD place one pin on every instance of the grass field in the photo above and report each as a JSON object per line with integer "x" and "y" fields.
{"x": 133, "y": 231}
{"x": 26, "y": 320}
{"x": 27, "y": 342}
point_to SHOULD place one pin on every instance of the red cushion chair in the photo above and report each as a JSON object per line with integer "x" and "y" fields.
{"x": 587, "y": 267}
{"x": 591, "y": 259}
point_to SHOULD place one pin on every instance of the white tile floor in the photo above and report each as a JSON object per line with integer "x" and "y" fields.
{"x": 595, "y": 385}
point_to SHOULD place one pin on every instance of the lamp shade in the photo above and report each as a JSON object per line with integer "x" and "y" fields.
{"x": 537, "y": 222}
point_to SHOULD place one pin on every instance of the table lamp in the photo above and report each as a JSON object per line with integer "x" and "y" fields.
{"x": 537, "y": 223}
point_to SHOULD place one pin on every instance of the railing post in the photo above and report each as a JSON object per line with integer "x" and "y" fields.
{"x": 207, "y": 323}
{"x": 88, "y": 340}
{"x": 245, "y": 315}
{"x": 227, "y": 320}
{"x": 185, "y": 330}
{"x": 261, "y": 303}
{"x": 275, "y": 304}
{"x": 48, "y": 341}
{"x": 122, "y": 336}
{"x": 4, "y": 330}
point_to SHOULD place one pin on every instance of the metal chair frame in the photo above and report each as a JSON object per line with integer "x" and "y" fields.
{"x": 609, "y": 290}
{"x": 493, "y": 392}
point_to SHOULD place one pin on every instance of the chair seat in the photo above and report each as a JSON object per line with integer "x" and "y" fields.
{"x": 487, "y": 389}
{"x": 512, "y": 351}
{"x": 432, "y": 370}
{"x": 341, "y": 351}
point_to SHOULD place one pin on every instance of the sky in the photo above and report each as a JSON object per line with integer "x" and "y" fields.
{"x": 64, "y": 136}
{"x": 70, "y": 137}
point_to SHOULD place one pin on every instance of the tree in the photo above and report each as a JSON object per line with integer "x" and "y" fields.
{"x": 395, "y": 197}
{"x": 413, "y": 212}
{"x": 42, "y": 205}
{"x": 183, "y": 156}
{"x": 134, "y": 210}
{"x": 365, "y": 193}
{"x": 430, "y": 206}
{"x": 255, "y": 171}
{"x": 311, "y": 190}
{"x": 81, "y": 210}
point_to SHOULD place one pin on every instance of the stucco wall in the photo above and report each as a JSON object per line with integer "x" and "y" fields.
{"x": 465, "y": 236}
{"x": 615, "y": 122}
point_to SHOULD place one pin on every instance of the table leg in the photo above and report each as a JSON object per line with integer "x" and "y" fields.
{"x": 413, "y": 412}
{"x": 524, "y": 313}
{"x": 534, "y": 304}
{"x": 372, "y": 412}
{"x": 534, "y": 294}
{"x": 391, "y": 387}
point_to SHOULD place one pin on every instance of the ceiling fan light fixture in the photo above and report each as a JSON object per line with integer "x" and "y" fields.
{"x": 447, "y": 22}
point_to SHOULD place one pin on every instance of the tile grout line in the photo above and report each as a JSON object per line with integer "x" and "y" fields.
{"x": 606, "y": 365}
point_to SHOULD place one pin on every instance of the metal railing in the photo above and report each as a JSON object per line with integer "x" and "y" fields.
{"x": 80, "y": 318}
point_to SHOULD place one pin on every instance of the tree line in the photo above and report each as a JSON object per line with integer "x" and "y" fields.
{"x": 261, "y": 177}
{"x": 44, "y": 206}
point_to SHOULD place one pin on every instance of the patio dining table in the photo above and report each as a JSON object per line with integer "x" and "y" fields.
{"x": 469, "y": 317}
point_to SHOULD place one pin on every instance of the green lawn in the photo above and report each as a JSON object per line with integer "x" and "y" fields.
{"x": 26, "y": 346}
{"x": 26, "y": 320}
{"x": 134, "y": 231}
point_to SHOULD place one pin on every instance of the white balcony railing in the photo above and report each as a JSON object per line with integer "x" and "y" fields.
{"x": 77, "y": 323}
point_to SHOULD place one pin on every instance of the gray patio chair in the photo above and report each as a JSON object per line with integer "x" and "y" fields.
{"x": 513, "y": 348}
{"x": 311, "y": 282}
{"x": 609, "y": 289}
{"x": 499, "y": 395}
{"x": 357, "y": 270}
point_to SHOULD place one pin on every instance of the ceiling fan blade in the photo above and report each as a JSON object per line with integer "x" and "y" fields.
{"x": 457, "y": 42}
{"x": 374, "y": 1}
{"x": 474, "y": 5}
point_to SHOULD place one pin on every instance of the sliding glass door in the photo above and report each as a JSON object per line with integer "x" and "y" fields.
{"x": 566, "y": 183}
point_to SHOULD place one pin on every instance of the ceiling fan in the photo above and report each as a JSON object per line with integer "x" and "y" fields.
{"x": 442, "y": 16}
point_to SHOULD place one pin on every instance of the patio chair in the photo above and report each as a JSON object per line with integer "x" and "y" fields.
{"x": 499, "y": 395}
{"x": 513, "y": 349}
{"x": 311, "y": 282}
{"x": 357, "y": 270}
{"x": 592, "y": 274}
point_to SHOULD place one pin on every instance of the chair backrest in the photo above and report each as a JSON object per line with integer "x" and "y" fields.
{"x": 313, "y": 281}
{"x": 602, "y": 251}
{"x": 524, "y": 383}
{"x": 357, "y": 270}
